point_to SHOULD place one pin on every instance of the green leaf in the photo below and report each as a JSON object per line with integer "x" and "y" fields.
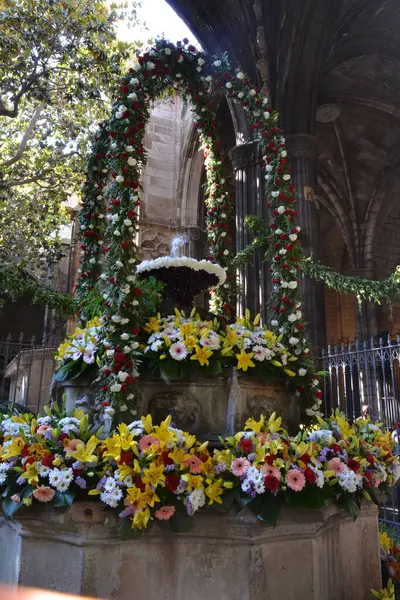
{"x": 180, "y": 522}
{"x": 63, "y": 499}
{"x": 127, "y": 531}
{"x": 309, "y": 497}
{"x": 351, "y": 505}
{"x": 270, "y": 508}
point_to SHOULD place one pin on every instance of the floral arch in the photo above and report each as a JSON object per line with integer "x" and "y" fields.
{"x": 109, "y": 217}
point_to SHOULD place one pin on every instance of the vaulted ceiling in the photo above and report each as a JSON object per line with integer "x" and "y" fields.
{"x": 314, "y": 53}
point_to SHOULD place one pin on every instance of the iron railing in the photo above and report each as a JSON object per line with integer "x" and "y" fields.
{"x": 26, "y": 371}
{"x": 364, "y": 378}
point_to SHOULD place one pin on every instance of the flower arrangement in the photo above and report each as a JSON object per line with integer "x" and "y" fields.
{"x": 388, "y": 593}
{"x": 114, "y": 181}
{"x": 390, "y": 554}
{"x": 168, "y": 262}
{"x": 177, "y": 345}
{"x": 156, "y": 473}
{"x": 335, "y": 460}
{"x": 81, "y": 351}
{"x": 52, "y": 459}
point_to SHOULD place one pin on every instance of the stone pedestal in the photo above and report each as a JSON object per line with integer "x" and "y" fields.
{"x": 215, "y": 406}
{"x": 206, "y": 406}
{"x": 310, "y": 555}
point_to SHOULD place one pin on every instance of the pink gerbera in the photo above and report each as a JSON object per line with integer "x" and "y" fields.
{"x": 147, "y": 441}
{"x": 194, "y": 463}
{"x": 270, "y": 470}
{"x": 335, "y": 464}
{"x": 44, "y": 493}
{"x": 295, "y": 480}
{"x": 239, "y": 466}
{"x": 165, "y": 513}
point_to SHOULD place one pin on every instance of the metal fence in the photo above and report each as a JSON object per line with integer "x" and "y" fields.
{"x": 364, "y": 378}
{"x": 26, "y": 371}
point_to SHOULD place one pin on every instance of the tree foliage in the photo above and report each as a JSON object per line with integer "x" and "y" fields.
{"x": 60, "y": 61}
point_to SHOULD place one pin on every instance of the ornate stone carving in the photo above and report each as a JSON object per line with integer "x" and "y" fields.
{"x": 154, "y": 243}
{"x": 245, "y": 155}
{"x": 301, "y": 146}
{"x": 182, "y": 406}
{"x": 259, "y": 404}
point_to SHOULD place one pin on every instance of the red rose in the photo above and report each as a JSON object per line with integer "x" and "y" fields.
{"x": 120, "y": 357}
{"x": 126, "y": 457}
{"x": 271, "y": 483}
{"x": 135, "y": 331}
{"x": 310, "y": 475}
{"x": 166, "y": 459}
{"x": 246, "y": 445}
{"x": 305, "y": 458}
{"x": 270, "y": 459}
{"x": 24, "y": 451}
{"x": 335, "y": 448}
{"x": 137, "y": 291}
{"x": 139, "y": 484}
{"x": 353, "y": 465}
{"x": 63, "y": 436}
{"x": 172, "y": 482}
{"x": 47, "y": 461}
{"x": 370, "y": 458}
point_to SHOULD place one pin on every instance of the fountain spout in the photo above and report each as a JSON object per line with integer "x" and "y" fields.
{"x": 177, "y": 245}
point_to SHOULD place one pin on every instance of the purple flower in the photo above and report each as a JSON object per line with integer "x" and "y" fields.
{"x": 220, "y": 468}
{"x": 21, "y": 481}
{"x": 81, "y": 482}
{"x": 189, "y": 508}
{"x": 169, "y": 468}
{"x": 126, "y": 512}
{"x": 78, "y": 465}
{"x": 101, "y": 483}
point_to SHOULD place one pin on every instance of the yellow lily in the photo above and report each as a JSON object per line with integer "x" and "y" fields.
{"x": 85, "y": 452}
{"x": 244, "y": 360}
{"x": 202, "y": 355}
{"x": 31, "y": 474}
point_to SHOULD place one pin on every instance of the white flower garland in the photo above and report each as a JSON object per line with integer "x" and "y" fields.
{"x": 165, "y": 262}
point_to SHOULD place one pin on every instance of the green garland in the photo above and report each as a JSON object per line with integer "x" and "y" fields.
{"x": 361, "y": 287}
{"x": 14, "y": 284}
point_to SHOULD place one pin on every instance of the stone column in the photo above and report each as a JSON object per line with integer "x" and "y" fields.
{"x": 249, "y": 201}
{"x": 366, "y": 321}
{"x": 303, "y": 160}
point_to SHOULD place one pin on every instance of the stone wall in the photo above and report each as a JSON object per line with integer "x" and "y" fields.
{"x": 171, "y": 179}
{"x": 310, "y": 555}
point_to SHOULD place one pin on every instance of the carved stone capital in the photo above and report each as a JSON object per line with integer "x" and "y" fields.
{"x": 301, "y": 146}
{"x": 245, "y": 155}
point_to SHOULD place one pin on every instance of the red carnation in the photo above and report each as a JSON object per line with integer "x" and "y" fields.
{"x": 310, "y": 475}
{"x": 246, "y": 445}
{"x": 124, "y": 244}
{"x": 270, "y": 459}
{"x": 136, "y": 331}
{"x": 271, "y": 483}
{"x": 172, "y": 482}
{"x": 137, "y": 291}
